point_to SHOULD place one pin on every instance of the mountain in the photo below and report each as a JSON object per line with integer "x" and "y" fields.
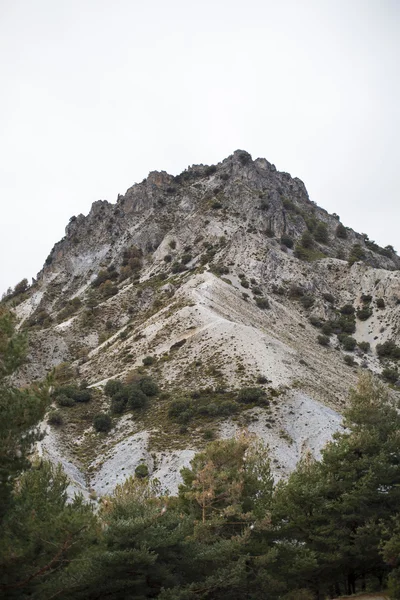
{"x": 248, "y": 304}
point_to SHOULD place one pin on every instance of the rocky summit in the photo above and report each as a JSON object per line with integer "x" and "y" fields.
{"x": 225, "y": 296}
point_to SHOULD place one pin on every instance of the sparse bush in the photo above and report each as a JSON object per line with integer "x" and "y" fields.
{"x": 172, "y": 244}
{"x": 262, "y": 379}
{"x": 136, "y": 398}
{"x": 364, "y": 313}
{"x": 186, "y": 258}
{"x": 390, "y": 375}
{"x": 249, "y": 395}
{"x": 321, "y": 233}
{"x": 210, "y": 170}
{"x": 216, "y": 205}
{"x": 349, "y": 360}
{"x": 323, "y": 340}
{"x": 262, "y": 303}
{"x": 244, "y": 283}
{"x": 380, "y": 303}
{"x": 328, "y": 328}
{"x": 306, "y": 240}
{"x": 167, "y": 258}
{"x": 315, "y": 322}
{"x": 287, "y": 241}
{"x": 307, "y": 301}
{"x": 55, "y": 418}
{"x": 177, "y": 267}
{"x": 64, "y": 400}
{"x": 388, "y": 350}
{"x": 148, "y": 360}
{"x": 102, "y": 422}
{"x": 345, "y": 324}
{"x": 348, "y": 309}
{"x": 149, "y": 386}
{"x": 118, "y": 403}
{"x": 112, "y": 387}
{"x": 366, "y": 298}
{"x": 82, "y": 396}
{"x": 328, "y": 297}
{"x": 178, "y": 345}
{"x": 341, "y": 231}
{"x": 356, "y": 254}
{"x": 142, "y": 471}
{"x": 348, "y": 342}
{"x": 364, "y": 346}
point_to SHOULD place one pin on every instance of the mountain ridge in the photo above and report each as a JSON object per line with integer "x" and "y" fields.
{"x": 225, "y": 277}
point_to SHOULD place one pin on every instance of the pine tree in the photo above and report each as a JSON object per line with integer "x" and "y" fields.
{"x": 41, "y": 533}
{"x": 20, "y": 410}
{"x": 337, "y": 507}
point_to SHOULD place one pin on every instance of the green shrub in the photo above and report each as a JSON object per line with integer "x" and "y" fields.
{"x": 364, "y": 313}
{"x": 216, "y": 205}
{"x": 364, "y": 346}
{"x": 315, "y": 322}
{"x": 55, "y": 418}
{"x": 102, "y": 422}
{"x": 112, "y": 387}
{"x": 388, "y": 350}
{"x": 181, "y": 410}
{"x": 390, "y": 375}
{"x": 380, "y": 303}
{"x": 136, "y": 398}
{"x": 244, "y": 283}
{"x": 328, "y": 328}
{"x": 83, "y": 396}
{"x": 142, "y": 471}
{"x": 186, "y": 258}
{"x": 328, "y": 297}
{"x": 256, "y": 291}
{"x": 148, "y": 360}
{"x": 262, "y": 379}
{"x": 149, "y": 386}
{"x": 251, "y": 394}
{"x": 323, "y": 340}
{"x": 341, "y": 231}
{"x": 345, "y": 324}
{"x": 64, "y": 400}
{"x": 366, "y": 298}
{"x": 167, "y": 258}
{"x": 178, "y": 345}
{"x": 210, "y": 170}
{"x": 307, "y": 300}
{"x": 118, "y": 404}
{"x": 262, "y": 303}
{"x": 348, "y": 309}
{"x": 356, "y": 254}
{"x": 349, "y": 360}
{"x": 287, "y": 241}
{"x": 177, "y": 267}
{"x": 306, "y": 240}
{"x": 321, "y": 233}
{"x": 348, "y": 343}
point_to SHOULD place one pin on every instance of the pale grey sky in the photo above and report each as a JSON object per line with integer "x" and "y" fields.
{"x": 97, "y": 93}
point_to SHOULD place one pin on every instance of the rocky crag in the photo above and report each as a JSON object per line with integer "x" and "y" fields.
{"x": 223, "y": 278}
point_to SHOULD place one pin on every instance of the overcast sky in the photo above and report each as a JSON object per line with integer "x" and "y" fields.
{"x": 97, "y": 93}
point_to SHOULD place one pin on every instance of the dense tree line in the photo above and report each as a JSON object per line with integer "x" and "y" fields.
{"x": 331, "y": 528}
